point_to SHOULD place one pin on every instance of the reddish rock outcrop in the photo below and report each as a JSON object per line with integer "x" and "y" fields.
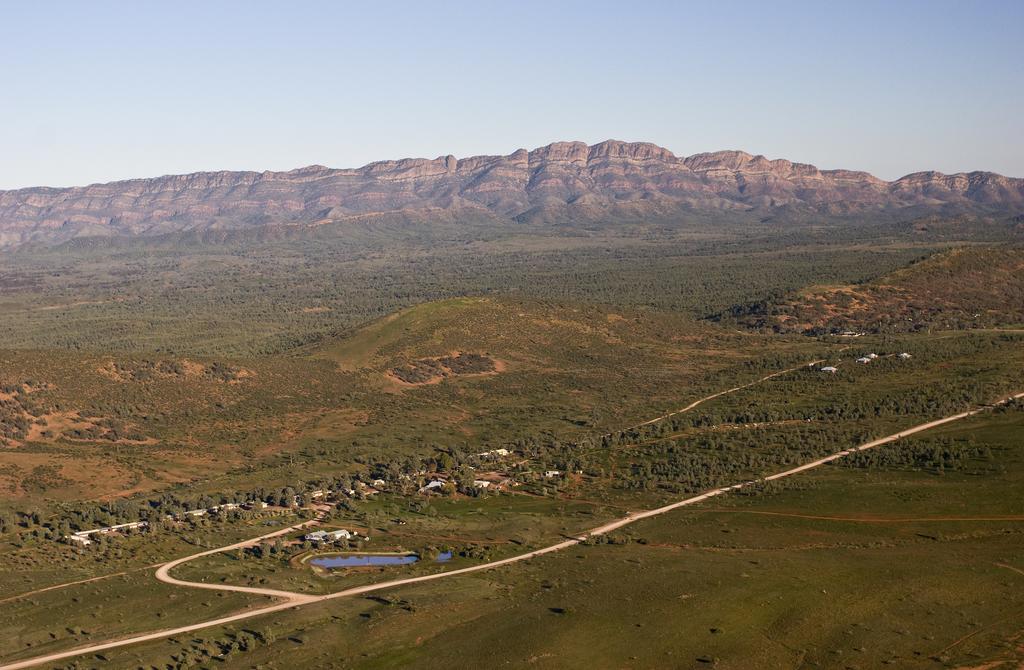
{"x": 564, "y": 181}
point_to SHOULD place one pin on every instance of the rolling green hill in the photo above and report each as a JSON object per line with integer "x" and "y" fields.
{"x": 472, "y": 371}
{"x": 528, "y": 335}
{"x": 493, "y": 370}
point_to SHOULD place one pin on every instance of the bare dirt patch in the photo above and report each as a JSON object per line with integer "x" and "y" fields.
{"x": 34, "y": 474}
{"x": 25, "y": 418}
{"x": 426, "y": 371}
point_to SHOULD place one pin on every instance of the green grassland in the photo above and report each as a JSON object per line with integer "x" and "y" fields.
{"x": 32, "y": 563}
{"x": 56, "y": 596}
{"x": 611, "y": 590}
{"x": 74, "y": 616}
{"x": 777, "y": 547}
{"x": 843, "y": 567}
{"x": 133, "y": 382}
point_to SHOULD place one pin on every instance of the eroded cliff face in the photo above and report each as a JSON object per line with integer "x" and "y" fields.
{"x": 563, "y": 181}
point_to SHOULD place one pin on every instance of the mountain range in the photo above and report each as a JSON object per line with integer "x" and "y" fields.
{"x": 564, "y": 182}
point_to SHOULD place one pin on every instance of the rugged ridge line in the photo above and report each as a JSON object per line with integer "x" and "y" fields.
{"x": 563, "y": 182}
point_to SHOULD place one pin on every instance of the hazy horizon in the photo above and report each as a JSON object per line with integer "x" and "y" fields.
{"x": 125, "y": 91}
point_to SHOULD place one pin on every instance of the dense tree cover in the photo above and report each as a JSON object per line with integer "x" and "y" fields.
{"x": 937, "y": 455}
{"x": 666, "y": 455}
{"x": 241, "y": 301}
{"x": 689, "y": 465}
{"x": 403, "y": 475}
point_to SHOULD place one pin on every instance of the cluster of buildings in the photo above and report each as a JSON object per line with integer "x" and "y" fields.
{"x": 360, "y": 488}
{"x": 330, "y": 536}
{"x": 492, "y": 481}
{"x": 863, "y": 360}
{"x": 495, "y": 453}
{"x": 83, "y": 538}
{"x": 436, "y": 484}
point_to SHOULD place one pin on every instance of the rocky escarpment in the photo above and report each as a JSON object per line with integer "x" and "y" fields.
{"x": 562, "y": 182}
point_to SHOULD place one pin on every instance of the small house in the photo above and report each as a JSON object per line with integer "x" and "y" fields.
{"x": 315, "y": 536}
{"x": 863, "y": 360}
{"x": 905, "y": 356}
{"x": 553, "y": 473}
{"x": 830, "y": 369}
{"x": 481, "y": 483}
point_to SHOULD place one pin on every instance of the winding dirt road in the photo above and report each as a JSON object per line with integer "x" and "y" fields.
{"x": 292, "y": 599}
{"x": 703, "y": 400}
{"x": 163, "y": 573}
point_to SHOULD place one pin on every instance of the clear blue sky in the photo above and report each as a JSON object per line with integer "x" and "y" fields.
{"x": 106, "y": 90}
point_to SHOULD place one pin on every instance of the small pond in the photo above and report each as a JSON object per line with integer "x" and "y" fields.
{"x": 370, "y": 560}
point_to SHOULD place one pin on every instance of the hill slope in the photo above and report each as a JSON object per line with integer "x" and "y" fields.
{"x": 485, "y": 336}
{"x": 562, "y": 182}
{"x": 494, "y": 368}
{"x": 968, "y": 287}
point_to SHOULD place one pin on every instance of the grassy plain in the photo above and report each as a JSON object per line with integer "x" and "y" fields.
{"x": 844, "y": 567}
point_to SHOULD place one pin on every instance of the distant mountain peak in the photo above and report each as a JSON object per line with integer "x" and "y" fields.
{"x": 560, "y": 182}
